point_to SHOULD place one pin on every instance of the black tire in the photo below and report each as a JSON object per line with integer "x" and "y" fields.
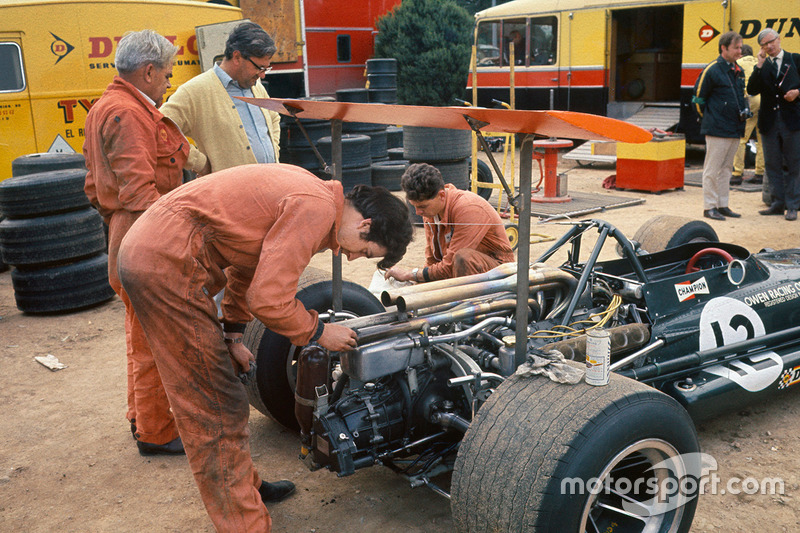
{"x": 484, "y": 176}
{"x": 436, "y": 144}
{"x": 292, "y": 136}
{"x": 273, "y": 390}
{"x": 357, "y": 95}
{"x": 388, "y": 173}
{"x": 63, "y": 288}
{"x": 378, "y": 148}
{"x": 383, "y": 96}
{"x": 356, "y": 176}
{"x": 455, "y": 172}
{"x": 382, "y": 65}
{"x": 533, "y": 435}
{"x": 3, "y": 265}
{"x": 45, "y": 162}
{"x": 52, "y": 239}
{"x": 355, "y": 150}
{"x": 44, "y": 193}
{"x": 394, "y": 137}
{"x": 382, "y": 81}
{"x": 300, "y": 156}
{"x": 667, "y": 231}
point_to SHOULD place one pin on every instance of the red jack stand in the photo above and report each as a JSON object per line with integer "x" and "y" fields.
{"x": 551, "y": 147}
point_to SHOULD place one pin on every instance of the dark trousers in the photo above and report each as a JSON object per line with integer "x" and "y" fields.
{"x": 782, "y": 163}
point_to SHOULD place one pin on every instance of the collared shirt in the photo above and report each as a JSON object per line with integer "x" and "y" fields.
{"x": 255, "y": 125}
{"x": 778, "y": 60}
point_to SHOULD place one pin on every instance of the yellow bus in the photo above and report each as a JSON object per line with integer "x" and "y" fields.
{"x": 611, "y": 57}
{"x": 57, "y": 57}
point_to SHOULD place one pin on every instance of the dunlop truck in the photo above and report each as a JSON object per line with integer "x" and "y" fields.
{"x": 610, "y": 57}
{"x": 57, "y": 57}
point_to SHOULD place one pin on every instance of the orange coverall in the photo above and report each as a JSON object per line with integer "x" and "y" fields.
{"x": 469, "y": 239}
{"x": 134, "y": 154}
{"x": 262, "y": 224}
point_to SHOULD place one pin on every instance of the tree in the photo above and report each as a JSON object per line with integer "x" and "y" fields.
{"x": 431, "y": 41}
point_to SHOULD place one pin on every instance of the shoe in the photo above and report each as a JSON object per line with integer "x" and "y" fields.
{"x": 791, "y": 214}
{"x": 275, "y": 492}
{"x": 757, "y": 179}
{"x": 736, "y": 180}
{"x": 713, "y": 214}
{"x": 726, "y": 211}
{"x": 173, "y": 447}
{"x": 776, "y": 208}
{"x": 133, "y": 428}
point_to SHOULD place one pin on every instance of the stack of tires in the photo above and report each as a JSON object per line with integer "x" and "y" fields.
{"x": 52, "y": 236}
{"x": 356, "y": 159}
{"x": 382, "y": 80}
{"x": 295, "y": 148}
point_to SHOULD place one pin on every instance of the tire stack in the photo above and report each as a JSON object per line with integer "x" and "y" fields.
{"x": 52, "y": 236}
{"x": 382, "y": 80}
{"x": 446, "y": 149}
{"x": 295, "y": 148}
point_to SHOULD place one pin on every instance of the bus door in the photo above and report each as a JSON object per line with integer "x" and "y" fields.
{"x": 16, "y": 120}
{"x": 645, "y": 56}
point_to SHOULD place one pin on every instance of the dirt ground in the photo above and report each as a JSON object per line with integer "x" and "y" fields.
{"x": 68, "y": 463}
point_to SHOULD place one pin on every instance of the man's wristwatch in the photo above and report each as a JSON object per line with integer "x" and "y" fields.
{"x": 414, "y": 273}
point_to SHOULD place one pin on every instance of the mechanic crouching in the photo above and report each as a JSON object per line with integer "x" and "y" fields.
{"x": 262, "y": 224}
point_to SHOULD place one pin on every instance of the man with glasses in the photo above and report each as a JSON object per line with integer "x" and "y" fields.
{"x": 775, "y": 78}
{"x": 228, "y": 131}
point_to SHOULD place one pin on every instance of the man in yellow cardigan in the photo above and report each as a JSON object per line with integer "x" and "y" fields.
{"x": 227, "y": 131}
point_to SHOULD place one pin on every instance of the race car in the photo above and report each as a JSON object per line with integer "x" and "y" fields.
{"x": 437, "y": 385}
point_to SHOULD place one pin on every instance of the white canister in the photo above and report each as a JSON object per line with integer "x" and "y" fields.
{"x": 598, "y": 356}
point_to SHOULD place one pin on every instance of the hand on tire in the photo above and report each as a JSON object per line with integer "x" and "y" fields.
{"x": 338, "y": 338}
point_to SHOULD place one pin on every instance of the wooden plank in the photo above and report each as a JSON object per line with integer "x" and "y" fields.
{"x": 563, "y": 124}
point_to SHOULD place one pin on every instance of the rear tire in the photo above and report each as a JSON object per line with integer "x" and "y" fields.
{"x": 667, "y": 231}
{"x": 534, "y": 435}
{"x": 272, "y": 392}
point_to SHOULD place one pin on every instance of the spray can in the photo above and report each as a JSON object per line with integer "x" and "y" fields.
{"x": 598, "y": 356}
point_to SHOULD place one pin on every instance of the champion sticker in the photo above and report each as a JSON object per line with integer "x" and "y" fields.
{"x": 687, "y": 289}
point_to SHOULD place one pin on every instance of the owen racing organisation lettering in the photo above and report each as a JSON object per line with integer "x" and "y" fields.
{"x": 778, "y": 295}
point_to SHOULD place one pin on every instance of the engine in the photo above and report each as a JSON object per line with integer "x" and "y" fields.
{"x": 405, "y": 397}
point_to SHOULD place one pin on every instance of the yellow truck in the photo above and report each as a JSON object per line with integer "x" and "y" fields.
{"x": 57, "y": 57}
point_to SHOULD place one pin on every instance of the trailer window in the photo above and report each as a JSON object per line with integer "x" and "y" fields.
{"x": 12, "y": 78}
{"x": 343, "y": 54}
{"x": 534, "y": 39}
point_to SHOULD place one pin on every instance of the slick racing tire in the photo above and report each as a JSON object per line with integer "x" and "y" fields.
{"x": 667, "y": 231}
{"x": 272, "y": 392}
{"x": 534, "y": 442}
{"x": 484, "y": 176}
{"x": 436, "y": 144}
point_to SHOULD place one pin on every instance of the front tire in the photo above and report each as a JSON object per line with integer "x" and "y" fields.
{"x": 534, "y": 436}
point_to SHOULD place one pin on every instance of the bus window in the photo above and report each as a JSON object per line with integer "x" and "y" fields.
{"x": 488, "y": 45}
{"x": 514, "y": 31}
{"x": 543, "y": 41}
{"x": 11, "y": 76}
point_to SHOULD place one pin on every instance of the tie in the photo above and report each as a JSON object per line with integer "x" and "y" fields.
{"x": 774, "y": 62}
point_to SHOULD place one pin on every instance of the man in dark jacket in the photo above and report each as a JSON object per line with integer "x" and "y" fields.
{"x": 775, "y": 78}
{"x": 720, "y": 102}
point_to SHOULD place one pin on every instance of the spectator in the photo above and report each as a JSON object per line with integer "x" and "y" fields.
{"x": 747, "y": 62}
{"x": 720, "y": 102}
{"x": 228, "y": 131}
{"x": 776, "y": 79}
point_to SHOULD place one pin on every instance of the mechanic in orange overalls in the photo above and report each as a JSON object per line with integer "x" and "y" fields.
{"x": 261, "y": 224}
{"x": 464, "y": 235}
{"x": 134, "y": 155}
